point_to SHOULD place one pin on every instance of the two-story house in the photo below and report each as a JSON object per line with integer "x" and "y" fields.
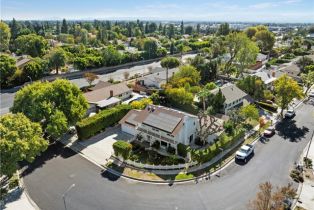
{"x": 234, "y": 96}
{"x": 157, "y": 123}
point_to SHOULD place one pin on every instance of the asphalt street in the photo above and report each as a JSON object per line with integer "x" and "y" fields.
{"x": 58, "y": 168}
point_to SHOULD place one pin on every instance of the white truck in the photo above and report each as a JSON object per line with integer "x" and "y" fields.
{"x": 244, "y": 152}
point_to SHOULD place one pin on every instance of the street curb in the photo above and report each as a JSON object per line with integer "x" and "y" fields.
{"x": 22, "y": 186}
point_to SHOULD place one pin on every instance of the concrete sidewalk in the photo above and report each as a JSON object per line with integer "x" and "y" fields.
{"x": 306, "y": 198}
{"x": 18, "y": 200}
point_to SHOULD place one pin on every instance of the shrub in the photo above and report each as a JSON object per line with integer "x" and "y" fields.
{"x": 93, "y": 125}
{"x": 269, "y": 107}
{"x": 13, "y": 181}
{"x": 229, "y": 127}
{"x": 182, "y": 150}
{"x": 171, "y": 150}
{"x": 308, "y": 162}
{"x": 122, "y": 148}
{"x": 296, "y": 175}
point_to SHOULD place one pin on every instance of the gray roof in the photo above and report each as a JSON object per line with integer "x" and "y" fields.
{"x": 162, "y": 121}
{"x": 161, "y": 76}
{"x": 261, "y": 57}
{"x": 265, "y": 76}
{"x": 231, "y": 92}
{"x": 108, "y": 102}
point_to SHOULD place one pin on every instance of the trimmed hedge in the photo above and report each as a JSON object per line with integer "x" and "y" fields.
{"x": 122, "y": 148}
{"x": 267, "y": 106}
{"x": 92, "y": 125}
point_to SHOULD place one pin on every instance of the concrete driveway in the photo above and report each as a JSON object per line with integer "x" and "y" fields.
{"x": 99, "y": 147}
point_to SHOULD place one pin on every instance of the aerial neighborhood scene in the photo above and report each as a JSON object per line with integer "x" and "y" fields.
{"x": 157, "y": 105}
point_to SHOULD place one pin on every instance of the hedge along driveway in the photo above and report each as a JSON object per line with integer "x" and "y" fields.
{"x": 90, "y": 126}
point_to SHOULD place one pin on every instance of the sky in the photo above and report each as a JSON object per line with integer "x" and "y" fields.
{"x": 281, "y": 11}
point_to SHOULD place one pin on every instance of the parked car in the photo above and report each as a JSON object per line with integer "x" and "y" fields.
{"x": 290, "y": 113}
{"x": 244, "y": 152}
{"x": 311, "y": 94}
{"x": 263, "y": 139}
{"x": 269, "y": 132}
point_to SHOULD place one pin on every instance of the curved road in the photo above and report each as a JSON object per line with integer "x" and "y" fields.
{"x": 51, "y": 174}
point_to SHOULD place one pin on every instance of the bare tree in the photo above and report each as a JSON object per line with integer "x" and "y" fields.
{"x": 266, "y": 199}
{"x": 90, "y": 77}
{"x": 208, "y": 125}
{"x": 126, "y": 75}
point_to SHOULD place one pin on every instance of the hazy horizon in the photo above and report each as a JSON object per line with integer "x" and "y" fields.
{"x": 254, "y": 11}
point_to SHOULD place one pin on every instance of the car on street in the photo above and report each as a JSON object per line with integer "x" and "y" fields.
{"x": 269, "y": 132}
{"x": 263, "y": 139}
{"x": 290, "y": 113}
{"x": 244, "y": 152}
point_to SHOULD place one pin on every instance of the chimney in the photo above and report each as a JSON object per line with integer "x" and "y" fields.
{"x": 111, "y": 93}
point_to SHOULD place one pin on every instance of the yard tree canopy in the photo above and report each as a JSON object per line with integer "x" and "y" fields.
{"x": 7, "y": 69}
{"x": 5, "y": 36}
{"x": 20, "y": 140}
{"x": 286, "y": 90}
{"x": 186, "y": 74}
{"x": 56, "y": 105}
{"x": 57, "y": 59}
{"x": 32, "y": 44}
{"x": 249, "y": 112}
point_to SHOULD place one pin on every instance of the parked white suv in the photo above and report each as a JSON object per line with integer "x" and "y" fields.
{"x": 244, "y": 152}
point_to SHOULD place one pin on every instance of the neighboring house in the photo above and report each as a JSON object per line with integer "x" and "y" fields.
{"x": 268, "y": 78}
{"x": 261, "y": 60}
{"x": 157, "y": 123}
{"x": 105, "y": 94}
{"x": 22, "y": 61}
{"x": 235, "y": 97}
{"x": 156, "y": 79}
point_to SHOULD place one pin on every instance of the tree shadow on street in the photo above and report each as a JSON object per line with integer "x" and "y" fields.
{"x": 53, "y": 151}
{"x": 288, "y": 130}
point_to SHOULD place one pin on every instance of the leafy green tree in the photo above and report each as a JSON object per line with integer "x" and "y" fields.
{"x": 250, "y": 32}
{"x": 15, "y": 28}
{"x": 216, "y": 101}
{"x": 64, "y": 27}
{"x": 286, "y": 90}
{"x": 32, "y": 45}
{"x": 53, "y": 104}
{"x": 169, "y": 63}
{"x": 35, "y": 68}
{"x": 183, "y": 48}
{"x": 182, "y": 28}
{"x": 253, "y": 86}
{"x": 7, "y": 69}
{"x": 111, "y": 56}
{"x": 309, "y": 68}
{"x": 20, "y": 139}
{"x": 57, "y": 59}
{"x": 90, "y": 77}
{"x": 266, "y": 40}
{"x": 186, "y": 74}
{"x": 150, "y": 48}
{"x": 171, "y": 31}
{"x": 249, "y": 112}
{"x": 179, "y": 96}
{"x": 308, "y": 80}
{"x": 5, "y": 36}
{"x": 223, "y": 29}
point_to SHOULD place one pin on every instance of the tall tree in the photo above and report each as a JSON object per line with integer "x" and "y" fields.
{"x": 169, "y": 63}
{"x": 223, "y": 29}
{"x": 5, "y": 36}
{"x": 286, "y": 90}
{"x": 266, "y": 40}
{"x": 64, "y": 27}
{"x": 58, "y": 29}
{"x": 150, "y": 48}
{"x": 15, "y": 27}
{"x": 35, "y": 69}
{"x": 308, "y": 80}
{"x": 249, "y": 112}
{"x": 56, "y": 105}
{"x": 7, "y": 69}
{"x": 171, "y": 31}
{"x": 20, "y": 139}
{"x": 182, "y": 28}
{"x": 57, "y": 59}
{"x": 31, "y": 44}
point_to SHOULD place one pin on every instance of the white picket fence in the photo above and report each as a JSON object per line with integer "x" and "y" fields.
{"x": 156, "y": 167}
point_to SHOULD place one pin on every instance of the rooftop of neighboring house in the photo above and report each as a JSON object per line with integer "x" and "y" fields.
{"x": 104, "y": 90}
{"x": 261, "y": 57}
{"x": 160, "y": 76}
{"x": 21, "y": 61}
{"x": 266, "y": 77}
{"x": 231, "y": 92}
{"x": 159, "y": 117}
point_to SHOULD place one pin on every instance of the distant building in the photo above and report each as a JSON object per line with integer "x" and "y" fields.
{"x": 105, "y": 94}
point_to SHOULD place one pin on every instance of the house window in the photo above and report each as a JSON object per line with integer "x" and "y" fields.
{"x": 163, "y": 144}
